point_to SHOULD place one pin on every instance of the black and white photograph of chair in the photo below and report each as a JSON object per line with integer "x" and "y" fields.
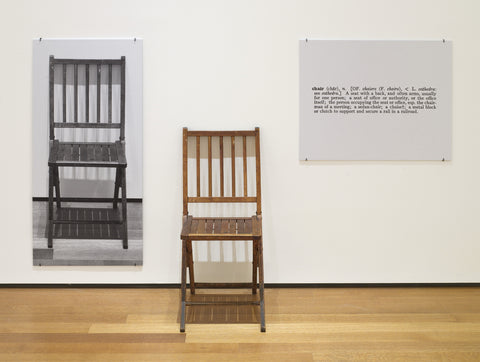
{"x": 88, "y": 217}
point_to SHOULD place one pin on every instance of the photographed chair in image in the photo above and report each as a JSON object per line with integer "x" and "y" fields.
{"x": 221, "y": 228}
{"x": 64, "y": 114}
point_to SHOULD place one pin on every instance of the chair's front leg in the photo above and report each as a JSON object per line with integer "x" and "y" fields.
{"x": 117, "y": 186}
{"x": 184, "y": 285}
{"x": 57, "y": 185}
{"x": 50, "y": 206}
{"x": 191, "y": 272}
{"x": 254, "y": 266}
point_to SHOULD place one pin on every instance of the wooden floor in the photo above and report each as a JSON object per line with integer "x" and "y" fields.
{"x": 326, "y": 324}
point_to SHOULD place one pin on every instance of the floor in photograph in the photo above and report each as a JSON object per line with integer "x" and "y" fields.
{"x": 325, "y": 324}
{"x": 87, "y": 244}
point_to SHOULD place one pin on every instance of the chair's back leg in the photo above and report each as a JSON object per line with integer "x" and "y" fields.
{"x": 124, "y": 208}
{"x": 190, "y": 266}
{"x": 57, "y": 186}
{"x": 254, "y": 266}
{"x": 117, "y": 186}
{"x": 261, "y": 287}
{"x": 50, "y": 206}
{"x": 184, "y": 285}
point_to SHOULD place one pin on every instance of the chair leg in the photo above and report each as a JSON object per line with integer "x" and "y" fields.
{"x": 260, "y": 277}
{"x": 184, "y": 285}
{"x": 255, "y": 266}
{"x": 124, "y": 208}
{"x": 190, "y": 266}
{"x": 117, "y": 186}
{"x": 57, "y": 185}
{"x": 50, "y": 206}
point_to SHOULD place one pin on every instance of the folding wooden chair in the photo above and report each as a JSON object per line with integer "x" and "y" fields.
{"x": 86, "y": 154}
{"x": 221, "y": 228}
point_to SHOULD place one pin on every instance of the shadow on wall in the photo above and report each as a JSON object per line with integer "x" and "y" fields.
{"x": 223, "y": 272}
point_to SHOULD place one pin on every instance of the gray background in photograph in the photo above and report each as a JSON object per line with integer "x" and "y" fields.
{"x": 422, "y": 136}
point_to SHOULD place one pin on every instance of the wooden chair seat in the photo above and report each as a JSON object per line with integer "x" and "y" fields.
{"x": 78, "y": 154}
{"x": 216, "y": 228}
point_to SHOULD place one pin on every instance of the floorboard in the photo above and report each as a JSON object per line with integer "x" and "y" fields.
{"x": 303, "y": 324}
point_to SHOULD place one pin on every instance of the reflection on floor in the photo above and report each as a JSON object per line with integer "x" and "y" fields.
{"x": 221, "y": 314}
{"x": 87, "y": 244}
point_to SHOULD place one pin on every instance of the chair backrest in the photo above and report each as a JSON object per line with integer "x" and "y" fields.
{"x": 246, "y": 195}
{"x": 71, "y": 67}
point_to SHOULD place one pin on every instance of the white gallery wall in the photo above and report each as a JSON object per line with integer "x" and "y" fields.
{"x": 234, "y": 65}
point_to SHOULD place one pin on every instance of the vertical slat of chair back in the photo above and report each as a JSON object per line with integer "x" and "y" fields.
{"x": 122, "y": 99}
{"x": 252, "y": 196}
{"x": 87, "y": 93}
{"x": 232, "y": 142}
{"x": 99, "y": 91}
{"x": 51, "y": 77}
{"x": 258, "y": 171}
{"x": 75, "y": 90}
{"x": 62, "y": 120}
{"x": 64, "y": 93}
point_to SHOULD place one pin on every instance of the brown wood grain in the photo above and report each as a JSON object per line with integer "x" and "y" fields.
{"x": 232, "y": 226}
{"x": 221, "y": 133}
{"x": 240, "y": 226}
{"x": 209, "y": 227}
{"x": 205, "y": 199}
{"x": 92, "y": 338}
{"x": 201, "y": 226}
{"x": 186, "y": 225}
{"x": 185, "y": 170}
{"x": 194, "y": 227}
{"x": 404, "y": 324}
{"x": 225, "y": 223}
{"x": 258, "y": 171}
{"x": 217, "y": 225}
{"x": 232, "y": 138}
